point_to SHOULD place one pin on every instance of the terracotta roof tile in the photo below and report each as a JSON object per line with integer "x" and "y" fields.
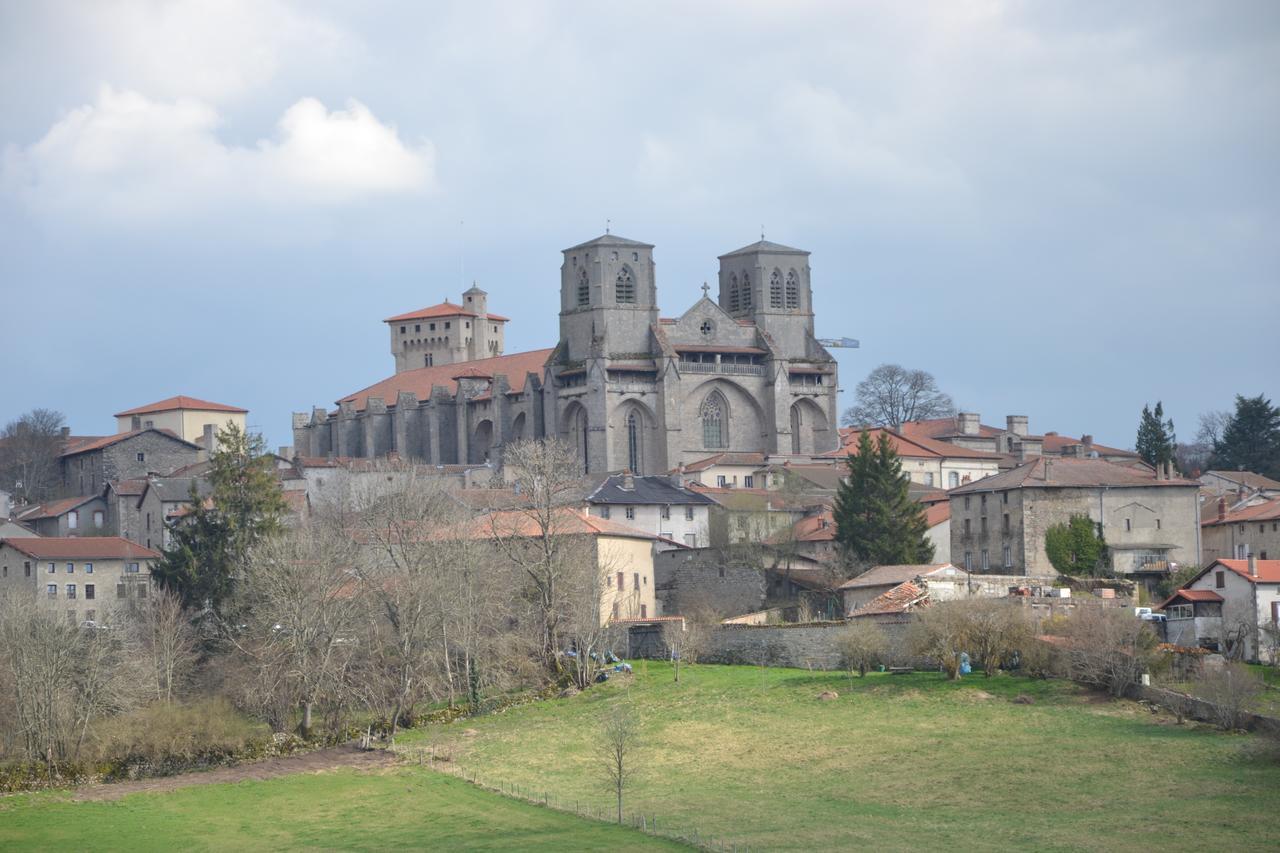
{"x": 900, "y": 599}
{"x": 419, "y": 382}
{"x": 1248, "y": 479}
{"x": 180, "y": 402}
{"x": 1190, "y": 595}
{"x": 1268, "y": 570}
{"x": 109, "y": 440}
{"x": 82, "y": 547}
{"x": 444, "y": 309}
{"x": 53, "y": 509}
{"x": 1268, "y": 510}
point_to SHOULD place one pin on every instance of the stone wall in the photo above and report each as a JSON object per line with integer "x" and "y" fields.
{"x": 813, "y": 645}
{"x": 689, "y": 580}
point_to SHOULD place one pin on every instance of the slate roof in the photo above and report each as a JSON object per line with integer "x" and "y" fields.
{"x": 611, "y": 240}
{"x": 894, "y": 575}
{"x": 81, "y": 547}
{"x": 1066, "y": 472}
{"x": 181, "y": 401}
{"x": 109, "y": 440}
{"x": 178, "y": 489}
{"x": 419, "y": 382}
{"x": 766, "y": 246}
{"x": 648, "y": 490}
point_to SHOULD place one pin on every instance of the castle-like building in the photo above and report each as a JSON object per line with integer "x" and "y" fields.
{"x": 629, "y": 389}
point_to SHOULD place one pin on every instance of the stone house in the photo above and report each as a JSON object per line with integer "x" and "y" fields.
{"x": 188, "y": 418}
{"x": 1149, "y": 520}
{"x": 163, "y": 500}
{"x": 87, "y": 467}
{"x": 876, "y": 581}
{"x": 85, "y": 577}
{"x": 1226, "y": 607}
{"x": 1241, "y": 484}
{"x": 630, "y": 390}
{"x": 726, "y": 582}
{"x": 1249, "y": 530}
{"x": 1014, "y": 441}
{"x": 657, "y": 504}
{"x": 79, "y": 516}
{"x": 121, "y": 498}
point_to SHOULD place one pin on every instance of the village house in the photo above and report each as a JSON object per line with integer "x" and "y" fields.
{"x": 80, "y": 516}
{"x": 87, "y": 466}
{"x": 656, "y": 504}
{"x": 1231, "y": 606}
{"x": 85, "y": 577}
{"x": 732, "y": 581}
{"x": 164, "y": 499}
{"x": 1239, "y": 484}
{"x": 1149, "y": 519}
{"x": 1250, "y": 530}
{"x": 926, "y": 461}
{"x": 188, "y": 418}
{"x": 944, "y": 580}
{"x": 1015, "y": 441}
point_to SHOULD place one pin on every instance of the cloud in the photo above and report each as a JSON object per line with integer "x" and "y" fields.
{"x": 128, "y": 157}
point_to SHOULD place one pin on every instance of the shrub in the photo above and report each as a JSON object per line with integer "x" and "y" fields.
{"x": 862, "y": 645}
{"x": 1108, "y": 648}
{"x": 1229, "y": 689}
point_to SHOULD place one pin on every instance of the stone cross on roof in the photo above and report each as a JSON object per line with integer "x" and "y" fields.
{"x": 706, "y": 289}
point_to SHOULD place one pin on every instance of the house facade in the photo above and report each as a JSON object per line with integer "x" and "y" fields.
{"x": 926, "y": 461}
{"x": 1249, "y": 530}
{"x": 1229, "y": 607}
{"x": 80, "y": 516}
{"x": 186, "y": 417}
{"x": 628, "y": 389}
{"x": 658, "y": 505}
{"x": 85, "y": 578}
{"x": 87, "y": 467}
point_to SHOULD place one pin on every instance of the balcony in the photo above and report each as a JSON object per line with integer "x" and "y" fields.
{"x": 722, "y": 368}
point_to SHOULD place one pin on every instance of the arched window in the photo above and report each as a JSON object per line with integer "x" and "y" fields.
{"x": 733, "y": 291}
{"x": 746, "y": 290}
{"x": 796, "y": 426}
{"x": 953, "y": 479}
{"x": 715, "y": 433}
{"x": 633, "y": 442}
{"x": 625, "y": 286}
{"x": 584, "y": 287}
{"x": 793, "y": 290}
{"x": 775, "y": 289}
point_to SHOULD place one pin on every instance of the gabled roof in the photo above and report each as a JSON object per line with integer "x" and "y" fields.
{"x": 1248, "y": 479}
{"x": 54, "y": 509}
{"x": 1191, "y": 595}
{"x": 900, "y": 599}
{"x": 109, "y": 440}
{"x": 171, "y": 404}
{"x": 894, "y": 575}
{"x": 937, "y": 513}
{"x": 611, "y": 240}
{"x": 911, "y": 446}
{"x": 765, "y": 247}
{"x": 128, "y": 488}
{"x": 1268, "y": 570}
{"x": 81, "y": 547}
{"x": 731, "y": 458}
{"x": 812, "y": 528}
{"x": 419, "y": 382}
{"x": 646, "y": 490}
{"x": 567, "y": 522}
{"x": 178, "y": 489}
{"x": 443, "y": 309}
{"x": 1066, "y": 472}
{"x": 1054, "y": 443}
{"x": 1267, "y": 510}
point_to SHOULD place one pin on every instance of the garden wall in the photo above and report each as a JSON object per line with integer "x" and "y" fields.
{"x": 811, "y": 645}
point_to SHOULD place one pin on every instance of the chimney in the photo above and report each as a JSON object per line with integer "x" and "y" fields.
{"x": 209, "y": 440}
{"x": 65, "y": 433}
{"x": 1222, "y": 509}
{"x": 628, "y": 481}
{"x": 1253, "y": 566}
{"x": 1048, "y": 469}
{"x": 677, "y": 479}
{"x": 1016, "y": 424}
{"x": 968, "y": 423}
{"x": 1087, "y": 441}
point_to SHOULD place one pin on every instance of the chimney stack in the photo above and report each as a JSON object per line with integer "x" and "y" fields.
{"x": 1253, "y": 566}
{"x": 209, "y": 439}
{"x": 677, "y": 479}
{"x": 628, "y": 481}
{"x": 1222, "y": 509}
{"x": 1047, "y": 469}
{"x": 968, "y": 423}
{"x": 1016, "y": 424}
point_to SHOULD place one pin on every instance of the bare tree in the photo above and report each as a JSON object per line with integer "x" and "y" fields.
{"x": 862, "y": 645}
{"x": 620, "y": 732}
{"x": 1230, "y": 689}
{"x": 29, "y": 448}
{"x": 941, "y": 633}
{"x": 674, "y": 635}
{"x": 1108, "y": 648}
{"x": 165, "y": 638}
{"x": 998, "y": 630}
{"x": 891, "y": 395}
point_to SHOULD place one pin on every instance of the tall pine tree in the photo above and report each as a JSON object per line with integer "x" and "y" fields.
{"x": 1156, "y": 441}
{"x": 1251, "y": 439}
{"x": 877, "y": 522}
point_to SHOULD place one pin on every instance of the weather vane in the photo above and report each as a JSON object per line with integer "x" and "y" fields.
{"x": 606, "y": 225}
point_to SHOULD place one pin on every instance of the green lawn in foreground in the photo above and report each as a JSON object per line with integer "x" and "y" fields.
{"x": 403, "y": 807}
{"x": 750, "y": 755}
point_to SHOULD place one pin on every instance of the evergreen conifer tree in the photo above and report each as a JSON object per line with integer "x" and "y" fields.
{"x": 1156, "y": 441}
{"x": 1251, "y": 439}
{"x": 877, "y": 522}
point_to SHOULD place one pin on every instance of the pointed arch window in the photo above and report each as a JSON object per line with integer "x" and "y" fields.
{"x": 775, "y": 289}
{"x": 584, "y": 287}
{"x": 625, "y": 286}
{"x": 715, "y": 431}
{"x": 733, "y": 291}
{"x": 633, "y": 442}
{"x": 746, "y": 290}
{"x": 793, "y": 289}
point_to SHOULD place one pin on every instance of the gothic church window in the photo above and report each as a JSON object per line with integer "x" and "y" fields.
{"x": 775, "y": 289}
{"x": 733, "y": 291}
{"x": 793, "y": 290}
{"x": 625, "y": 286}
{"x": 714, "y": 429}
{"x": 584, "y": 287}
{"x": 746, "y": 290}
{"x": 633, "y": 442}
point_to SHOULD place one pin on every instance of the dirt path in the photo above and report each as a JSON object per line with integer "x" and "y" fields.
{"x": 311, "y": 762}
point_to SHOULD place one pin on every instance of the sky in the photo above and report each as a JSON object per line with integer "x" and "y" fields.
{"x": 1063, "y": 210}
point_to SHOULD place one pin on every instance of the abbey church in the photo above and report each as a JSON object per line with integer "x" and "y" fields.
{"x": 629, "y": 389}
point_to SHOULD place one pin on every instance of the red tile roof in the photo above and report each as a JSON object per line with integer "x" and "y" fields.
{"x": 1247, "y": 479}
{"x": 129, "y": 488}
{"x": 180, "y": 402}
{"x": 109, "y": 440}
{"x": 905, "y": 444}
{"x": 1055, "y": 444}
{"x": 444, "y": 309}
{"x": 1268, "y": 570}
{"x": 53, "y": 509}
{"x": 82, "y": 547}
{"x": 419, "y": 382}
{"x": 812, "y": 528}
{"x": 1268, "y": 510}
{"x": 1191, "y": 595}
{"x": 937, "y": 513}
{"x": 733, "y": 458}
{"x": 900, "y": 599}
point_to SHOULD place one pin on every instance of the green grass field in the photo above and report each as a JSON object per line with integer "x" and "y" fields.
{"x": 343, "y": 809}
{"x": 751, "y": 756}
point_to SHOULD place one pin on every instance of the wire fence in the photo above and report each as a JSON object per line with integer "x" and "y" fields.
{"x": 642, "y": 821}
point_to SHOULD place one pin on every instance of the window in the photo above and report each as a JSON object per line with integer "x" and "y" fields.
{"x": 71, "y": 616}
{"x": 635, "y": 256}
{"x": 733, "y": 292}
{"x": 73, "y": 520}
{"x": 431, "y": 327}
{"x": 615, "y": 610}
{"x": 1006, "y": 522}
{"x": 131, "y": 568}
{"x": 968, "y": 526}
{"x": 91, "y": 615}
{"x": 71, "y": 590}
{"x": 1178, "y": 611}
{"x": 793, "y": 290}
{"x": 447, "y": 325}
{"x": 622, "y": 581}
{"x": 714, "y": 434}
{"x": 666, "y": 512}
{"x": 88, "y": 568}
{"x": 142, "y": 457}
{"x": 968, "y": 561}
{"x": 142, "y": 590}
{"x": 625, "y": 286}
{"x": 749, "y": 481}
{"x": 584, "y": 287}
{"x": 966, "y": 501}
{"x": 688, "y": 513}
{"x": 985, "y": 562}
{"x": 707, "y": 328}
{"x": 1008, "y": 556}
{"x": 417, "y": 327}
{"x": 633, "y": 441}
{"x": 721, "y": 567}
{"x": 982, "y": 524}
{"x": 604, "y": 512}
{"x": 402, "y": 328}
{"x": 630, "y": 512}
{"x": 1157, "y": 524}
{"x": 1219, "y": 580}
{"x": 148, "y": 521}
{"x": 26, "y": 568}
{"x": 53, "y": 568}
{"x": 89, "y": 592}
{"x": 722, "y": 481}
{"x": 928, "y": 478}
{"x": 746, "y": 290}
{"x": 953, "y": 479}
{"x": 71, "y": 568}
{"x": 1004, "y": 497}
{"x": 984, "y": 501}
{"x": 1128, "y": 524}
{"x": 97, "y": 518}
{"x": 644, "y": 611}
{"x": 52, "y": 590}
{"x": 635, "y": 580}
{"x": 427, "y": 360}
{"x": 775, "y": 289}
